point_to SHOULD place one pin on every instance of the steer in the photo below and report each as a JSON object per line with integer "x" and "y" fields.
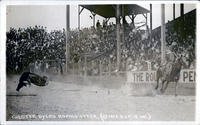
{"x": 27, "y": 78}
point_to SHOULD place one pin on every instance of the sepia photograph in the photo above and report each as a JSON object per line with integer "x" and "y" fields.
{"x": 101, "y": 62}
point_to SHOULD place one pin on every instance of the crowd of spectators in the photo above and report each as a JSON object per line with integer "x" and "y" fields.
{"x": 102, "y": 40}
{"x": 33, "y": 44}
{"x": 137, "y": 49}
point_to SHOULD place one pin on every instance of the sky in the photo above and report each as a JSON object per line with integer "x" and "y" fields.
{"x": 54, "y": 16}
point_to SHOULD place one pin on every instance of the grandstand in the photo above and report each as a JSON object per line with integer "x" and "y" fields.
{"x": 106, "y": 48}
{"x": 100, "y": 43}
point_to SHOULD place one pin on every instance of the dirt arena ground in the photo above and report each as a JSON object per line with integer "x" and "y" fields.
{"x": 77, "y": 98}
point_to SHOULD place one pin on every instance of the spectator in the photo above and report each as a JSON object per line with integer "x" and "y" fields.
{"x": 98, "y": 25}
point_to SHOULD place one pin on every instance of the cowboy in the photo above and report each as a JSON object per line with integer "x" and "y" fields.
{"x": 170, "y": 60}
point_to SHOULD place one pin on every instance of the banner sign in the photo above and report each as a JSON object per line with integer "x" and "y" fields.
{"x": 186, "y": 76}
{"x": 141, "y": 77}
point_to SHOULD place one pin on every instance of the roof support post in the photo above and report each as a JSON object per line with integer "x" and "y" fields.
{"x": 79, "y": 13}
{"x": 182, "y": 9}
{"x": 146, "y": 23}
{"x": 162, "y": 33}
{"x": 67, "y": 34}
{"x": 94, "y": 19}
{"x": 133, "y": 19}
{"x": 123, "y": 21}
{"x": 174, "y": 11}
{"x": 78, "y": 17}
{"x": 107, "y": 19}
{"x": 151, "y": 22}
{"x": 118, "y": 35}
{"x": 145, "y": 16}
{"x": 182, "y": 19}
{"x": 93, "y": 14}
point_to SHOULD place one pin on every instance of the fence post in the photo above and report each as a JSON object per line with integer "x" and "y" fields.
{"x": 127, "y": 63}
{"x": 78, "y": 68}
{"x": 109, "y": 66}
{"x": 85, "y": 67}
{"x": 149, "y": 65}
{"x": 73, "y": 71}
{"x": 100, "y": 66}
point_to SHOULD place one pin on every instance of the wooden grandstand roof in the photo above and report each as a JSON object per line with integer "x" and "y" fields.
{"x": 108, "y": 11}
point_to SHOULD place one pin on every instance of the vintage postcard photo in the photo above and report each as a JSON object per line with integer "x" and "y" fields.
{"x": 101, "y": 62}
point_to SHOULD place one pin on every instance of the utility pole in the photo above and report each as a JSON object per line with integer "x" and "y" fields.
{"x": 163, "y": 39}
{"x": 151, "y": 22}
{"x": 118, "y": 36}
{"x": 67, "y": 35}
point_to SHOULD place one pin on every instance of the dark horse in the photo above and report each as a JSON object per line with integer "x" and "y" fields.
{"x": 27, "y": 78}
{"x": 169, "y": 73}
